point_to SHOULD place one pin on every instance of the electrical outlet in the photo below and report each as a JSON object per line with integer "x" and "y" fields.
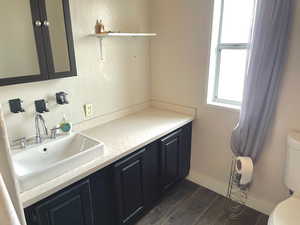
{"x": 88, "y": 110}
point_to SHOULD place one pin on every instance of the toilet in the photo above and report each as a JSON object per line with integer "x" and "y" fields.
{"x": 288, "y": 211}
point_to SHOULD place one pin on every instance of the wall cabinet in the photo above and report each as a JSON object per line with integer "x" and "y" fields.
{"x": 122, "y": 192}
{"x": 38, "y": 43}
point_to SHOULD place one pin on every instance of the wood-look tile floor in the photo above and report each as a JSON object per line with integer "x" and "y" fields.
{"x": 191, "y": 204}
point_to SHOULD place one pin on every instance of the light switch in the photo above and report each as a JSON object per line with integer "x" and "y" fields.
{"x": 88, "y": 110}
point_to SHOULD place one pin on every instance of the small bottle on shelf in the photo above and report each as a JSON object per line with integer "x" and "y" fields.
{"x": 99, "y": 27}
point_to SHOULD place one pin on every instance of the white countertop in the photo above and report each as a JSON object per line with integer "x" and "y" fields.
{"x": 121, "y": 137}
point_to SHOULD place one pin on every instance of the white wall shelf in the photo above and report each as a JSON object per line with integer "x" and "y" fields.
{"x": 120, "y": 35}
{"x": 125, "y": 35}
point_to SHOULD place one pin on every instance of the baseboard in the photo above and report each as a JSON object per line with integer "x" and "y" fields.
{"x": 105, "y": 118}
{"x": 221, "y": 188}
{"x": 208, "y": 182}
{"x": 191, "y": 111}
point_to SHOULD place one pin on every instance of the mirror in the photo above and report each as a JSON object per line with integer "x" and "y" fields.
{"x": 58, "y": 36}
{"x": 18, "y": 52}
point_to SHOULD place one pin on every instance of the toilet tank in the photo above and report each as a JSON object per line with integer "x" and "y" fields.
{"x": 292, "y": 169}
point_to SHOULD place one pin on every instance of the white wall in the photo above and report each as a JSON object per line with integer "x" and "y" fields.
{"x": 179, "y": 67}
{"x": 120, "y": 81}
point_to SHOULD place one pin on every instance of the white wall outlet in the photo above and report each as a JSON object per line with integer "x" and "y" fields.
{"x": 88, "y": 110}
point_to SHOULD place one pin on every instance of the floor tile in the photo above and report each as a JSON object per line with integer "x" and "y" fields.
{"x": 190, "y": 204}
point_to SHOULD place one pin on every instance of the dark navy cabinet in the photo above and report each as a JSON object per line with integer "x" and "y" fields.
{"x": 103, "y": 197}
{"x": 170, "y": 149}
{"x": 185, "y": 152}
{"x": 123, "y": 192}
{"x": 50, "y": 52}
{"x": 71, "y": 206}
{"x": 175, "y": 150}
{"x": 152, "y": 174}
{"x": 130, "y": 187}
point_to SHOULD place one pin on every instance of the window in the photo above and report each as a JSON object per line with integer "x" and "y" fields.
{"x": 229, "y": 50}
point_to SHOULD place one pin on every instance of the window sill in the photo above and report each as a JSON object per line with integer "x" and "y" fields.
{"x": 218, "y": 105}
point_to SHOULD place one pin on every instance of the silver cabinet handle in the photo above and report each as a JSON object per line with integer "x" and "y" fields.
{"x": 38, "y": 23}
{"x": 46, "y": 23}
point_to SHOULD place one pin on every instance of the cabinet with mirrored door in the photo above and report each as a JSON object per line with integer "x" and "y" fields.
{"x": 36, "y": 41}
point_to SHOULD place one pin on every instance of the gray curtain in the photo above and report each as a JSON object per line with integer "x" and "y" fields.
{"x": 266, "y": 58}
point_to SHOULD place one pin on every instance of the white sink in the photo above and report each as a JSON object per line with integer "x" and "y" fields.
{"x": 41, "y": 163}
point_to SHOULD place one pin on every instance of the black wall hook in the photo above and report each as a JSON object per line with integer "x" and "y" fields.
{"x": 15, "y": 105}
{"x": 61, "y": 98}
{"x": 41, "y": 106}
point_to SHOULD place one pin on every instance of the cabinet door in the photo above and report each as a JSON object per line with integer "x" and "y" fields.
{"x": 185, "y": 161}
{"x": 69, "y": 207}
{"x": 36, "y": 41}
{"x": 171, "y": 147}
{"x": 129, "y": 183}
{"x": 58, "y": 38}
{"x": 151, "y": 173}
{"x": 103, "y": 197}
{"x": 22, "y": 55}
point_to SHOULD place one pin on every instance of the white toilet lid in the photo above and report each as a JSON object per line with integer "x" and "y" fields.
{"x": 286, "y": 213}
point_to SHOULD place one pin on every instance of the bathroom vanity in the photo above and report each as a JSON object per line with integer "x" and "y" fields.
{"x": 126, "y": 188}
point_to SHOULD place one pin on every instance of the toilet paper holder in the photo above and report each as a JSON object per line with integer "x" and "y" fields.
{"x": 241, "y": 173}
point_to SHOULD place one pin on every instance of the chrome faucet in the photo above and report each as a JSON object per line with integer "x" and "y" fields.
{"x": 39, "y": 119}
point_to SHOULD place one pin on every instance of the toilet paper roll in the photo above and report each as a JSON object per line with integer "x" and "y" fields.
{"x": 244, "y": 167}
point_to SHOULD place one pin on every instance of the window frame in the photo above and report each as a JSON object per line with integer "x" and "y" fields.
{"x": 219, "y": 46}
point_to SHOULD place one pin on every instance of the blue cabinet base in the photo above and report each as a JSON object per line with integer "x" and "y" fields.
{"x": 123, "y": 192}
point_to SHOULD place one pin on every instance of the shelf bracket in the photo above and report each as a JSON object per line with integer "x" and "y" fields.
{"x": 101, "y": 49}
